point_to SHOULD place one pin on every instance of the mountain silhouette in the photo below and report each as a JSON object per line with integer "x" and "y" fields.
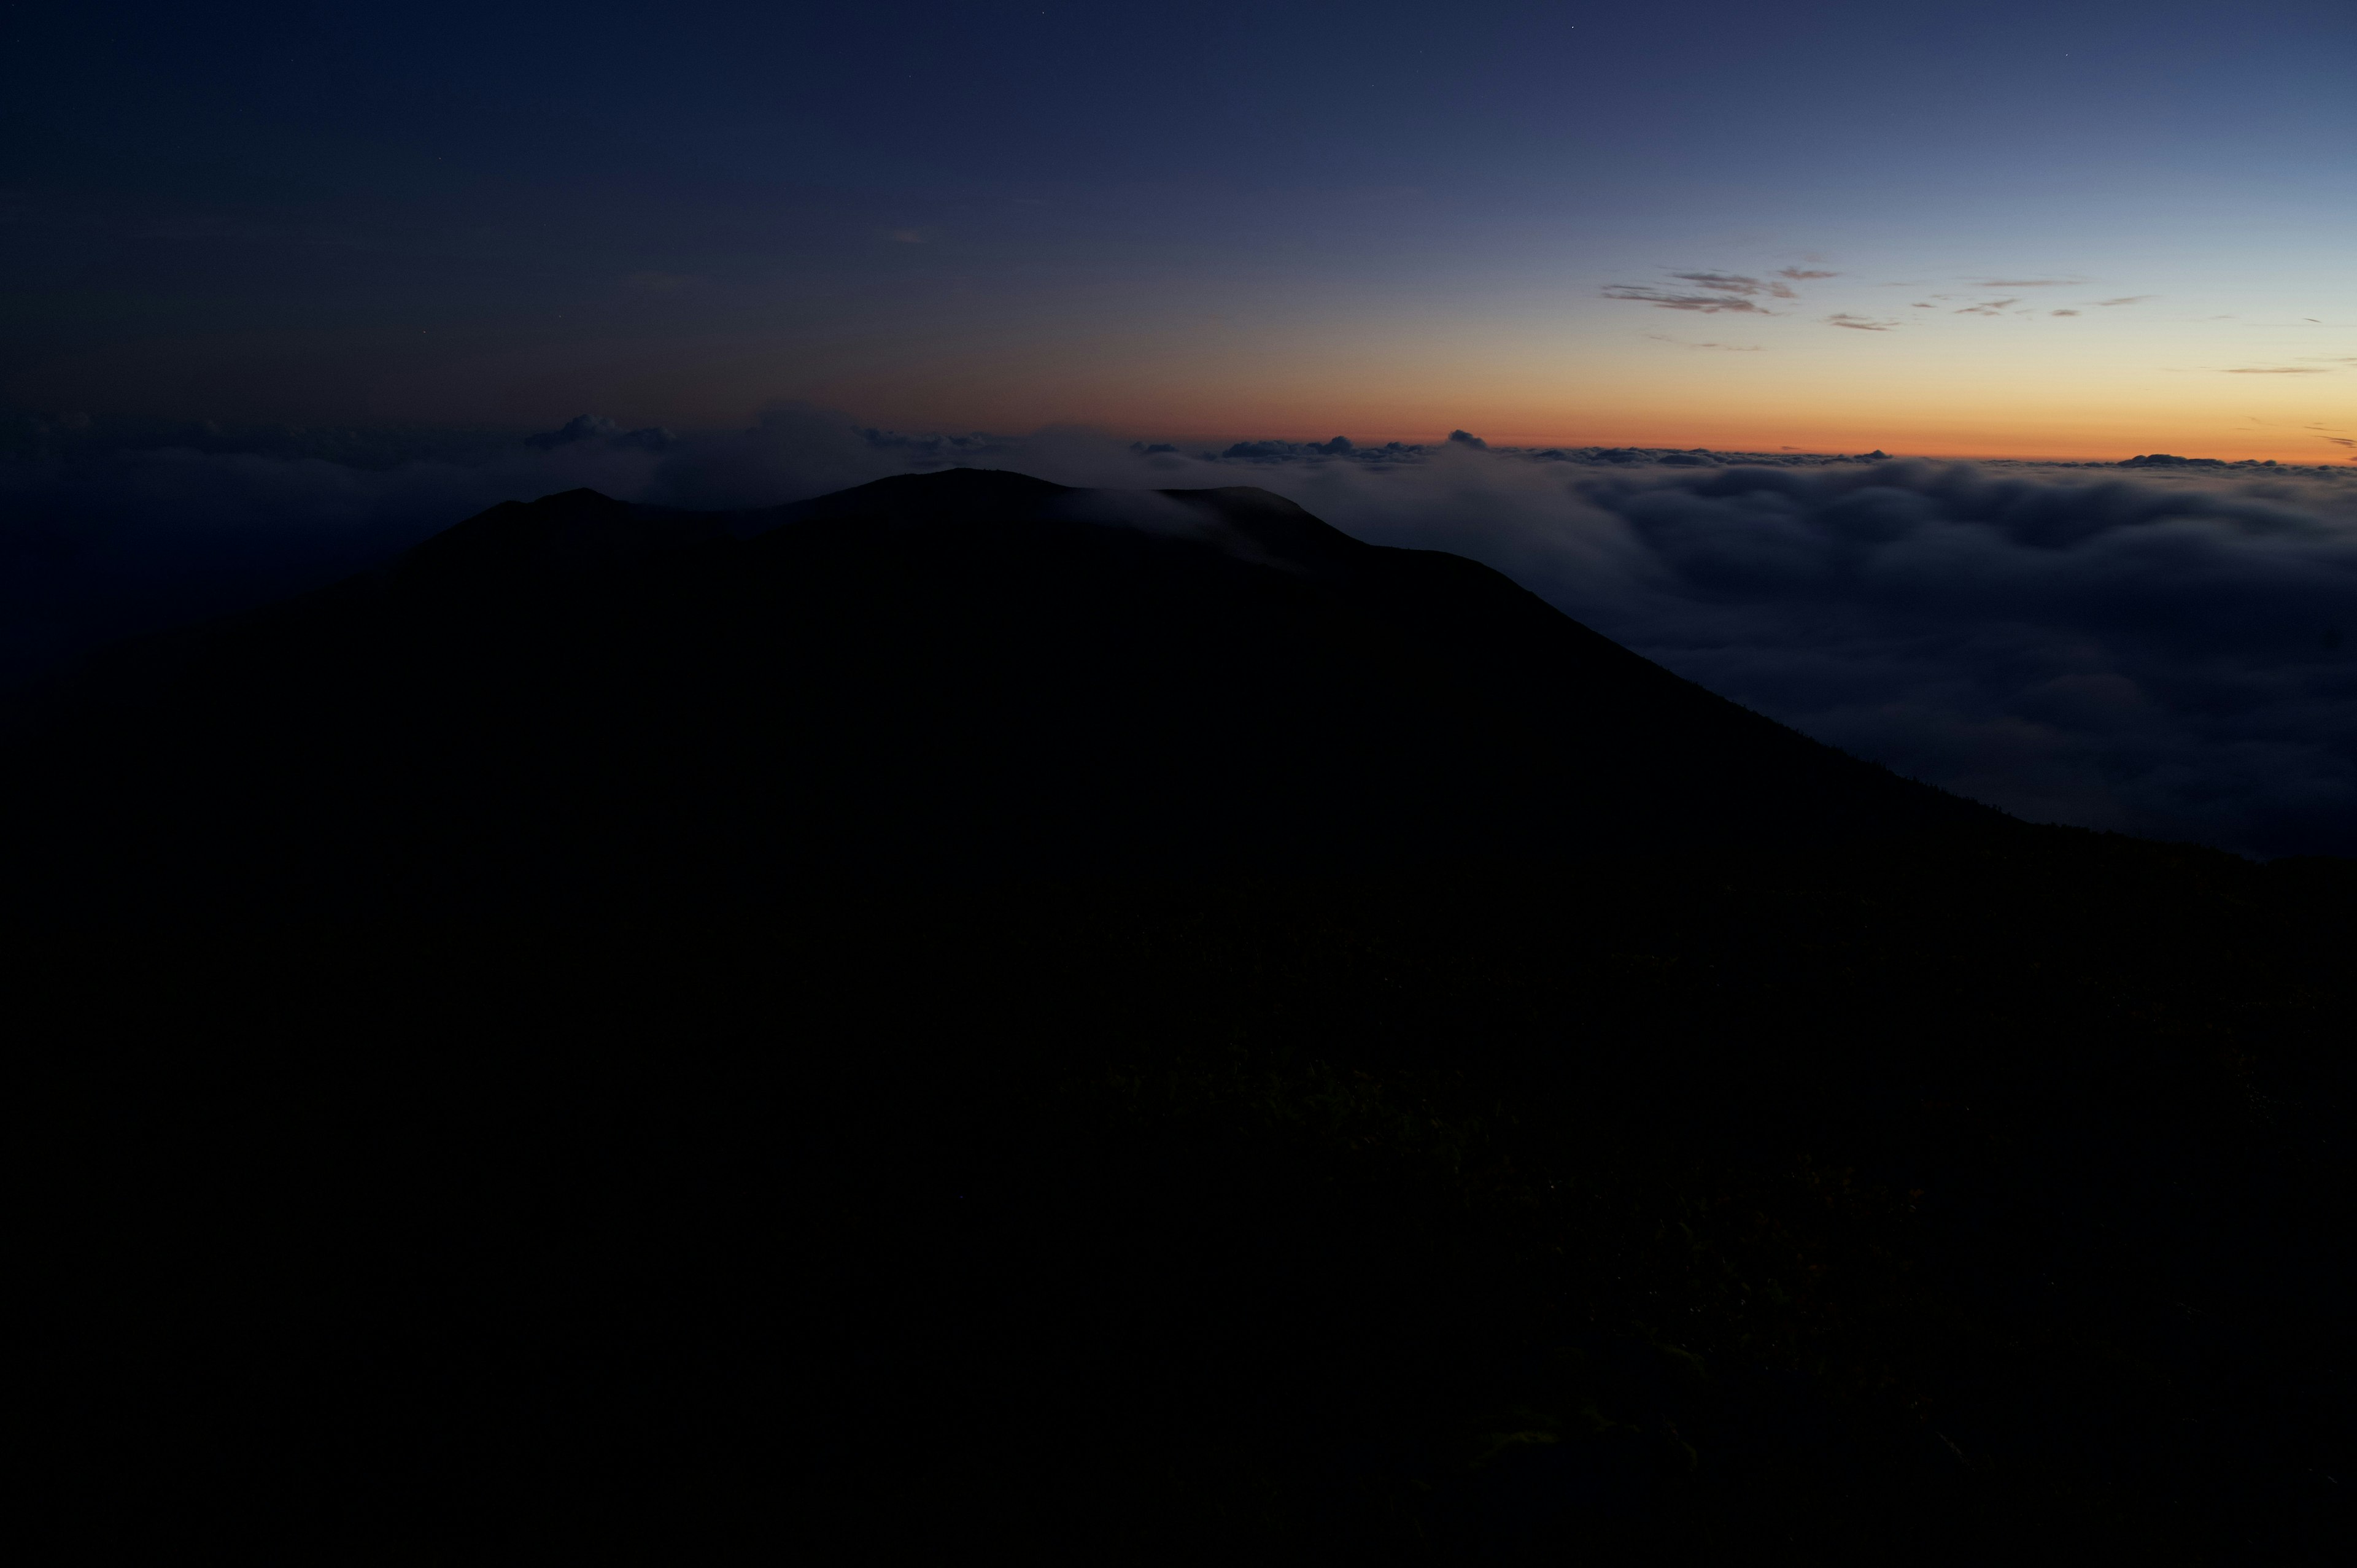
{"x": 966, "y": 674}
{"x": 966, "y": 1010}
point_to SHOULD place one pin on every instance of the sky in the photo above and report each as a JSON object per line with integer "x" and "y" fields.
{"x": 286, "y": 288}
{"x": 2073, "y": 230}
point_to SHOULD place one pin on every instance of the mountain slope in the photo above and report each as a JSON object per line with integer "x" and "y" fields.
{"x": 1870, "y": 1180}
{"x": 964, "y": 674}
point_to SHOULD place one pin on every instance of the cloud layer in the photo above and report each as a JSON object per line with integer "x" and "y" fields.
{"x": 2169, "y": 649}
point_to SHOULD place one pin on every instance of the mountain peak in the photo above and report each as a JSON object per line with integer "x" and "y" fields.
{"x": 945, "y": 492}
{"x": 562, "y": 535}
{"x": 963, "y": 674}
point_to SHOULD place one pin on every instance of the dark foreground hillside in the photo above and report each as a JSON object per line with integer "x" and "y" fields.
{"x": 1906, "y": 1187}
{"x": 1924, "y": 1206}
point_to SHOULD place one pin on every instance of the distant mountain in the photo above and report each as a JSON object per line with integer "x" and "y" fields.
{"x": 968, "y": 673}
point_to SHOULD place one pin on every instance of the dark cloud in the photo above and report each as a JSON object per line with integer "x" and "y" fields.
{"x": 1801, "y": 274}
{"x": 1859, "y": 323}
{"x": 1340, "y": 448}
{"x": 1731, "y": 283}
{"x": 2061, "y": 313}
{"x": 1735, "y": 291}
{"x": 593, "y": 427}
{"x": 2128, "y": 299}
{"x": 1988, "y": 308}
{"x": 1667, "y": 299}
{"x": 1467, "y": 438}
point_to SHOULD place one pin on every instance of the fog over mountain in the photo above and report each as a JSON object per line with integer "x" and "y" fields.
{"x": 2160, "y": 646}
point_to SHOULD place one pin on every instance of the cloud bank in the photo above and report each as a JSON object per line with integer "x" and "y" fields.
{"x": 2167, "y": 648}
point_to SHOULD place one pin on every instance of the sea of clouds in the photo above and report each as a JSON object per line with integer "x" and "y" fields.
{"x": 2165, "y": 648}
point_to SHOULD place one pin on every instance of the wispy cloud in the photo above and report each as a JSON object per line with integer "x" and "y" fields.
{"x": 1859, "y": 323}
{"x": 2128, "y": 299}
{"x": 1709, "y": 292}
{"x": 1988, "y": 308}
{"x": 2061, "y": 313}
{"x": 1684, "y": 343}
{"x": 1735, "y": 282}
{"x": 2025, "y": 283}
{"x": 1668, "y": 299}
{"x": 2277, "y": 370}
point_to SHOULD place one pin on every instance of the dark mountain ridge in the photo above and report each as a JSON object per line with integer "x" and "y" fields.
{"x": 1138, "y": 1027}
{"x": 968, "y": 673}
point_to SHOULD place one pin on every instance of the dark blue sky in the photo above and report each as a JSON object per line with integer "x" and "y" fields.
{"x": 1361, "y": 216}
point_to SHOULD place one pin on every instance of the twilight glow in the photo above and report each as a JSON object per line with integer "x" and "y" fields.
{"x": 2074, "y": 231}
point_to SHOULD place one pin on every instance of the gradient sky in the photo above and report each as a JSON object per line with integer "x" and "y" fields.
{"x": 2067, "y": 229}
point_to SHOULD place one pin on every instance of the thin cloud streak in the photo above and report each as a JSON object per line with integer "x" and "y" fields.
{"x": 1663, "y": 299}
{"x": 1723, "y": 348}
{"x": 1729, "y": 282}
